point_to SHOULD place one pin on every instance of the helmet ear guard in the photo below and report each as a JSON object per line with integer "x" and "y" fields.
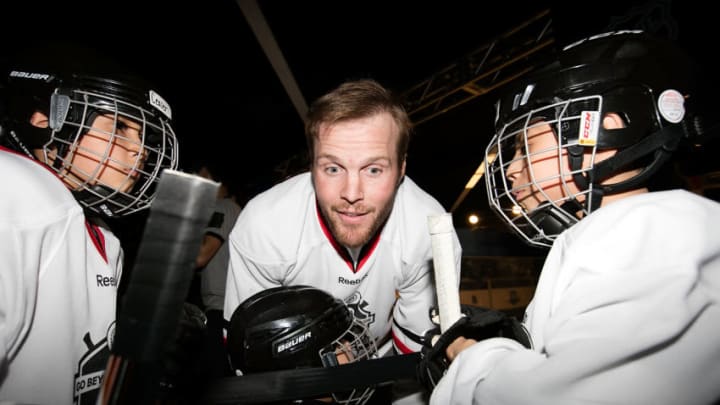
{"x": 59, "y": 108}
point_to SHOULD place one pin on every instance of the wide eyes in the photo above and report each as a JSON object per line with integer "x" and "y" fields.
{"x": 373, "y": 171}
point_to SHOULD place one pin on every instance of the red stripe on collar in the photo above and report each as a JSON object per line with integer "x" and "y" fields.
{"x": 365, "y": 252}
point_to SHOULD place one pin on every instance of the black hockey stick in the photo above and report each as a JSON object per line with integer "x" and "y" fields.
{"x": 287, "y": 385}
{"x": 158, "y": 286}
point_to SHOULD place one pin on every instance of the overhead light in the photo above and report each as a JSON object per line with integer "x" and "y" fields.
{"x": 473, "y": 219}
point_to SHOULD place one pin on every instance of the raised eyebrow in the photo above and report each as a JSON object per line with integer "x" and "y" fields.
{"x": 328, "y": 158}
{"x": 381, "y": 160}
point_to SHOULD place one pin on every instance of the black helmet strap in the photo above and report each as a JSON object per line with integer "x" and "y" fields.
{"x": 663, "y": 143}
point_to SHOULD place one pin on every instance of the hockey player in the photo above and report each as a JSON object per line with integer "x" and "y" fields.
{"x": 77, "y": 146}
{"x": 628, "y": 301}
{"x": 354, "y": 225}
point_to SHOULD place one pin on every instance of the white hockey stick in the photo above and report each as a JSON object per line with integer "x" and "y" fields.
{"x": 446, "y": 282}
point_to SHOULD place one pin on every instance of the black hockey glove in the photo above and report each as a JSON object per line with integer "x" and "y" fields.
{"x": 476, "y": 323}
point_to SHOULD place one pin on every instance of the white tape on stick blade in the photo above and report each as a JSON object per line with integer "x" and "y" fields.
{"x": 446, "y": 282}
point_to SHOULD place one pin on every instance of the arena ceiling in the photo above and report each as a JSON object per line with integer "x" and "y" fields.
{"x": 238, "y": 91}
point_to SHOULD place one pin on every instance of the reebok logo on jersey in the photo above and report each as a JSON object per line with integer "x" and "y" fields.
{"x": 292, "y": 342}
{"x": 343, "y": 280}
{"x": 104, "y": 281}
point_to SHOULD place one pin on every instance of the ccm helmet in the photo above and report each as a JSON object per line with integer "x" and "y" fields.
{"x": 644, "y": 80}
{"x": 298, "y": 327}
{"x": 72, "y": 102}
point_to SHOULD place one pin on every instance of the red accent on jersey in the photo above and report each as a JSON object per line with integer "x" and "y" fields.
{"x": 369, "y": 248}
{"x": 97, "y": 237}
{"x": 400, "y": 345}
{"x": 365, "y": 252}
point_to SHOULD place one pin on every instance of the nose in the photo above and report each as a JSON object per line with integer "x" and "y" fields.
{"x": 352, "y": 191}
{"x": 515, "y": 167}
{"x": 131, "y": 141}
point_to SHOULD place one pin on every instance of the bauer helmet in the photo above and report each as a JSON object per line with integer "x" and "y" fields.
{"x": 298, "y": 327}
{"x": 644, "y": 80}
{"x": 72, "y": 103}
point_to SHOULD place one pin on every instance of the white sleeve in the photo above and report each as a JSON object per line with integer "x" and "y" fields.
{"x": 627, "y": 349}
{"x": 24, "y": 252}
{"x": 411, "y": 312}
{"x": 633, "y": 327}
{"x": 245, "y": 277}
{"x": 263, "y": 241}
{"x": 475, "y": 364}
{"x": 222, "y": 220}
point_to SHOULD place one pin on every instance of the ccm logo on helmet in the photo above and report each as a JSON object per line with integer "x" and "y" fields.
{"x": 290, "y": 343}
{"x": 158, "y": 102}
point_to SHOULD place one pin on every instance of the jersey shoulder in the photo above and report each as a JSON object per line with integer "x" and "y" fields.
{"x": 408, "y": 223}
{"x": 413, "y": 197}
{"x": 674, "y": 223}
{"x": 33, "y": 191}
{"x": 282, "y": 202}
{"x": 275, "y": 220}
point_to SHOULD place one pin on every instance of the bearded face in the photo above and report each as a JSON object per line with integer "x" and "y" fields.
{"x": 356, "y": 173}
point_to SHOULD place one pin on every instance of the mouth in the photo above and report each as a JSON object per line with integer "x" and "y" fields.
{"x": 351, "y": 214}
{"x": 518, "y": 195}
{"x": 351, "y": 217}
{"x": 131, "y": 172}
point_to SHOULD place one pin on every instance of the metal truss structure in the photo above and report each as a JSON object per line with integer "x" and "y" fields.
{"x": 494, "y": 64}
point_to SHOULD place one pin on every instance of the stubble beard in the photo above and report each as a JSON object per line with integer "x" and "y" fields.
{"x": 356, "y": 236}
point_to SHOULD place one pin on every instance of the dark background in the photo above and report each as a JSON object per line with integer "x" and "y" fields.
{"x": 230, "y": 107}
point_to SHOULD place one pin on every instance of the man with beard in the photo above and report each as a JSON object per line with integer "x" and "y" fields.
{"x": 354, "y": 225}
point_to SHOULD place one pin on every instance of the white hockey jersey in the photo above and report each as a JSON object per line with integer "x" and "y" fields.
{"x": 280, "y": 239}
{"x": 58, "y": 289}
{"x": 626, "y": 311}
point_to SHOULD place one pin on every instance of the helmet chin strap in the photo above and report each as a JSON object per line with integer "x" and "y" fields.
{"x": 553, "y": 220}
{"x": 662, "y": 143}
{"x": 89, "y": 197}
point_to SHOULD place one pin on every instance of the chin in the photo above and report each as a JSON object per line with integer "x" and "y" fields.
{"x": 352, "y": 240}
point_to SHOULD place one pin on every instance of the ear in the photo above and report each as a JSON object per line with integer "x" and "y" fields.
{"x": 613, "y": 121}
{"x": 39, "y": 120}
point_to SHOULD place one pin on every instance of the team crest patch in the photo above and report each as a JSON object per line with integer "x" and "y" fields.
{"x": 359, "y": 307}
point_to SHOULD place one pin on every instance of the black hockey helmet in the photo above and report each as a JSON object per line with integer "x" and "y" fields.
{"x": 72, "y": 96}
{"x": 644, "y": 80}
{"x": 298, "y": 327}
